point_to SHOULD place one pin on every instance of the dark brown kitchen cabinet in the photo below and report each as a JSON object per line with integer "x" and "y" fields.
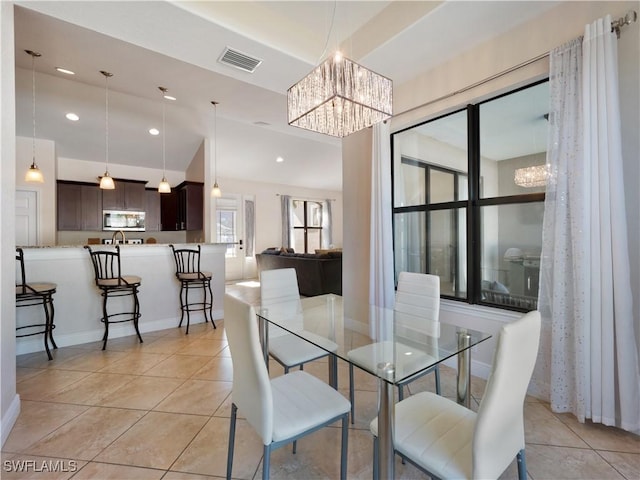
{"x": 79, "y": 206}
{"x": 128, "y": 195}
{"x": 183, "y": 208}
{"x": 152, "y": 216}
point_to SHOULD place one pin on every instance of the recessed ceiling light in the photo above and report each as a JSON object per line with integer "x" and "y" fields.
{"x": 169, "y": 97}
{"x": 65, "y": 71}
{"x": 279, "y": 159}
{"x": 154, "y": 131}
{"x": 72, "y": 116}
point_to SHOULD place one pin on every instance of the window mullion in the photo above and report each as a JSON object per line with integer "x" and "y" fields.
{"x": 473, "y": 209}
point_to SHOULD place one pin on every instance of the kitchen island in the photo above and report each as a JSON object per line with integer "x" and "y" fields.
{"x": 78, "y": 304}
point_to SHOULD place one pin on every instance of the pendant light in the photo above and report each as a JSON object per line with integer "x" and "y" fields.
{"x": 215, "y": 191}
{"x": 163, "y": 186}
{"x": 106, "y": 182}
{"x": 34, "y": 174}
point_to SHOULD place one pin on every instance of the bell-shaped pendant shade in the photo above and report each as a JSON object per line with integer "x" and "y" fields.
{"x": 215, "y": 191}
{"x": 106, "y": 182}
{"x": 34, "y": 174}
{"x": 163, "y": 186}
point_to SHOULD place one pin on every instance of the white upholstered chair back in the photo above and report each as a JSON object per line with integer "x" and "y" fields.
{"x": 278, "y": 286}
{"x": 499, "y": 429}
{"x": 251, "y": 386}
{"x": 417, "y": 300}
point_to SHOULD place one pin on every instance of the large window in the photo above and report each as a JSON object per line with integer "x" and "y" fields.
{"x": 307, "y": 225}
{"x": 468, "y": 199}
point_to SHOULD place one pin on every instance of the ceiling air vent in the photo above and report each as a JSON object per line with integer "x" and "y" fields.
{"x": 240, "y": 60}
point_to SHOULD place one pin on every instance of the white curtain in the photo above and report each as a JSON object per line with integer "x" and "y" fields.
{"x": 585, "y": 294}
{"x": 327, "y": 222}
{"x": 287, "y": 222}
{"x": 381, "y": 281}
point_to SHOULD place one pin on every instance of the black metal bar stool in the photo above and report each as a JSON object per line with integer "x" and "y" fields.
{"x": 37, "y": 293}
{"x": 106, "y": 267}
{"x": 190, "y": 276}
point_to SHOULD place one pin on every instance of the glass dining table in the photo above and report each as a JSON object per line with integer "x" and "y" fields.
{"x": 390, "y": 345}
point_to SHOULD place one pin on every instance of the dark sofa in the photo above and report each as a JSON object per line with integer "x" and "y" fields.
{"x": 317, "y": 273}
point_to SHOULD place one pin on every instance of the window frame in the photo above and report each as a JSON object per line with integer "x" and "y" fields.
{"x": 305, "y": 224}
{"x": 473, "y": 204}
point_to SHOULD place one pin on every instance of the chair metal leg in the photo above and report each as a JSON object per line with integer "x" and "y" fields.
{"x": 208, "y": 284}
{"x": 266, "y": 461}
{"x": 105, "y": 318}
{"x": 47, "y": 326}
{"x": 181, "y": 304}
{"x": 50, "y": 318}
{"x": 522, "y": 465}
{"x": 437, "y": 374}
{"x": 400, "y": 393}
{"x": 295, "y": 445}
{"x": 232, "y": 438}
{"x": 376, "y": 471}
{"x": 136, "y": 313}
{"x": 352, "y": 394}
{"x": 186, "y": 302}
{"x": 344, "y": 448}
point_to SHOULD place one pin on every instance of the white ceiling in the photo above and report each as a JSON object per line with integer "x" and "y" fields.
{"x": 177, "y": 45}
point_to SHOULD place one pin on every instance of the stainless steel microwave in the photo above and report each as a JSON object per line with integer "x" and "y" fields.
{"x": 123, "y": 220}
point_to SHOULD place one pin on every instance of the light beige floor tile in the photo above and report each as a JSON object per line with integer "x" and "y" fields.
{"x": 560, "y": 463}
{"x": 224, "y": 410}
{"x": 37, "y": 420}
{"x": 207, "y": 454}
{"x": 92, "y": 361}
{"x": 142, "y": 393}
{"x": 203, "y": 346}
{"x": 168, "y": 344}
{"x": 48, "y": 383}
{"x": 31, "y": 467}
{"x": 225, "y": 352}
{"x": 185, "y": 476}
{"x": 106, "y": 471}
{"x": 40, "y": 359}
{"x": 135, "y": 363}
{"x": 366, "y": 407}
{"x": 22, "y": 373}
{"x": 88, "y": 434}
{"x": 91, "y": 389}
{"x": 155, "y": 441}
{"x": 543, "y": 427}
{"x": 178, "y": 366}
{"x": 601, "y": 437}
{"x": 217, "y": 368}
{"x": 628, "y": 464}
{"x": 198, "y": 397}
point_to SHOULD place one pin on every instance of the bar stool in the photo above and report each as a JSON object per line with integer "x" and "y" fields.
{"x": 108, "y": 277}
{"x": 38, "y": 293}
{"x": 190, "y": 276}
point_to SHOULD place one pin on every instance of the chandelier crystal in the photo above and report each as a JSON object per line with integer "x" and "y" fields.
{"x": 339, "y": 97}
{"x": 535, "y": 176}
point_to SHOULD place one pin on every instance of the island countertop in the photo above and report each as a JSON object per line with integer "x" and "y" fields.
{"x": 77, "y": 301}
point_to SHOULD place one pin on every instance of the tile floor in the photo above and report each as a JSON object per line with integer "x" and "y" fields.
{"x": 160, "y": 410}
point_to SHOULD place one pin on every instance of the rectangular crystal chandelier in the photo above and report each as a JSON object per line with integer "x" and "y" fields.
{"x": 339, "y": 97}
{"x": 535, "y": 176}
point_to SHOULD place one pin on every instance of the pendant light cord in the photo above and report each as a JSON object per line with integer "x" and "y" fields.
{"x": 33, "y": 85}
{"x": 106, "y": 121}
{"x": 215, "y": 147}
{"x": 164, "y": 133}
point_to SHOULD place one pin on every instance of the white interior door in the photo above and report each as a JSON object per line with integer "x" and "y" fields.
{"x": 232, "y": 214}
{"x": 26, "y": 218}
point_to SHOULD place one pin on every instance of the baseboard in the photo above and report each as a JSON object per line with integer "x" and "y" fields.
{"x": 9, "y": 419}
{"x": 478, "y": 369}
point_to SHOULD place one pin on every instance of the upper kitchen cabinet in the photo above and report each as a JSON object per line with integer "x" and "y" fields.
{"x": 79, "y": 206}
{"x": 152, "y": 219}
{"x": 183, "y": 208}
{"x": 128, "y": 195}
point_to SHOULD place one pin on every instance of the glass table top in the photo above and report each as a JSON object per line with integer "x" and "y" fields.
{"x": 391, "y": 345}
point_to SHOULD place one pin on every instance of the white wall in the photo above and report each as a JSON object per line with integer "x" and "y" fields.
{"x": 527, "y": 41}
{"x": 9, "y": 400}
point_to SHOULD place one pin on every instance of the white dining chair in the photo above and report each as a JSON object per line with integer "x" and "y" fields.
{"x": 280, "y": 410}
{"x": 280, "y": 287}
{"x": 417, "y": 308}
{"x": 449, "y": 441}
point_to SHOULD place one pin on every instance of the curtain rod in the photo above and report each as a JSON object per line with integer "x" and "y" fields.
{"x": 307, "y": 198}
{"x": 616, "y": 25}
